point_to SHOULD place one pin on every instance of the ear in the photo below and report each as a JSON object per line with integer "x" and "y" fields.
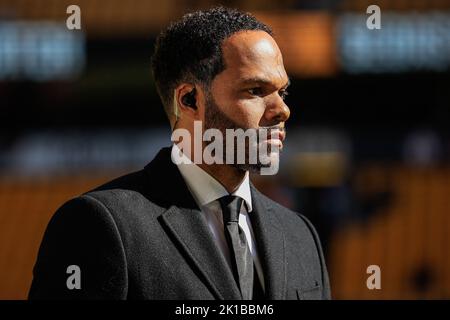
{"x": 185, "y": 98}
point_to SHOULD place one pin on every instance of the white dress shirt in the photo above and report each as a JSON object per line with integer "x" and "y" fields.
{"x": 207, "y": 191}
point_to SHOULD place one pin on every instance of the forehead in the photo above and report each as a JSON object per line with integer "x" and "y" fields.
{"x": 252, "y": 55}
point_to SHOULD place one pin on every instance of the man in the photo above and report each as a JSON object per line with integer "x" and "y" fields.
{"x": 181, "y": 230}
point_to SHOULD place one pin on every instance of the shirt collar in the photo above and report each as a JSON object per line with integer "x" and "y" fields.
{"x": 206, "y": 189}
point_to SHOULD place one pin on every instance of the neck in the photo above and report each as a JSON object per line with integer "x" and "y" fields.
{"x": 229, "y": 176}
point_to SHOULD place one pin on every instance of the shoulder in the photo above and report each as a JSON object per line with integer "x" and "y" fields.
{"x": 123, "y": 193}
{"x": 82, "y": 232}
{"x": 120, "y": 187}
{"x": 101, "y": 205}
{"x": 83, "y": 214}
{"x": 101, "y": 213}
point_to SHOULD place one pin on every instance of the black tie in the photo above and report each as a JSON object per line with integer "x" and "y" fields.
{"x": 237, "y": 243}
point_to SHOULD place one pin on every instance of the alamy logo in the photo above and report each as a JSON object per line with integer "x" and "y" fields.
{"x": 74, "y": 280}
{"x": 374, "y": 280}
{"x": 74, "y": 20}
{"x": 374, "y": 20}
{"x": 256, "y": 150}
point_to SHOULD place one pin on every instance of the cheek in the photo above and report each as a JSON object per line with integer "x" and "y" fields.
{"x": 249, "y": 112}
{"x": 244, "y": 112}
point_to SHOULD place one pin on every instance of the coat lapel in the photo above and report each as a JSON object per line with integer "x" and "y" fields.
{"x": 186, "y": 224}
{"x": 271, "y": 246}
{"x": 195, "y": 240}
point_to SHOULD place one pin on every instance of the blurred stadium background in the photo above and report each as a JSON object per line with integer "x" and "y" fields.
{"x": 367, "y": 153}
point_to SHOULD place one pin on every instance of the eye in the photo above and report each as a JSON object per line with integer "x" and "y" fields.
{"x": 283, "y": 94}
{"x": 255, "y": 91}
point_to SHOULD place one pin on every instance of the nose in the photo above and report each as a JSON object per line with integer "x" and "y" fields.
{"x": 277, "y": 111}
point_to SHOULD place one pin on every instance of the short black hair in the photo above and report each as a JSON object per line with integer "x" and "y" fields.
{"x": 189, "y": 50}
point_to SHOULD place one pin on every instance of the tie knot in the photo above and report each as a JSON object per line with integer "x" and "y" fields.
{"x": 231, "y": 207}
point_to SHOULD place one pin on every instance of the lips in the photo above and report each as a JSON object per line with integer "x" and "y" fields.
{"x": 277, "y": 135}
{"x": 277, "y": 139}
{"x": 282, "y": 135}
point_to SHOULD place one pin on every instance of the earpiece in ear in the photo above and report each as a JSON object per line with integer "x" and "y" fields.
{"x": 189, "y": 99}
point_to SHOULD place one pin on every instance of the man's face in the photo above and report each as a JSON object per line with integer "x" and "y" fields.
{"x": 249, "y": 93}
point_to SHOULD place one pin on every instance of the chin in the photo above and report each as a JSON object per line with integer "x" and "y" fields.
{"x": 268, "y": 165}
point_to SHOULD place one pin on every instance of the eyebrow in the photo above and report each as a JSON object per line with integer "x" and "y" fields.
{"x": 263, "y": 81}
